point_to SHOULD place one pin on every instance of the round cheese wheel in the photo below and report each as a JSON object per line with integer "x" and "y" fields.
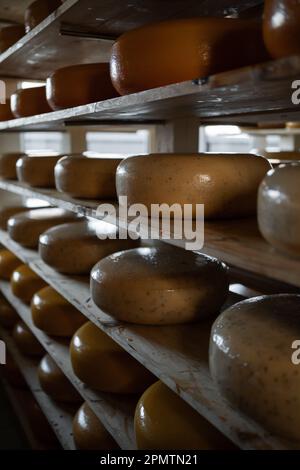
{"x": 37, "y": 11}
{"x": 12, "y": 373}
{"x": 25, "y": 228}
{"x": 226, "y": 184}
{"x": 89, "y": 433}
{"x": 10, "y": 35}
{"x": 7, "y": 212}
{"x": 8, "y": 263}
{"x": 37, "y": 172}
{"x": 292, "y": 125}
{"x": 5, "y": 111}
{"x": 184, "y": 49}
{"x": 53, "y": 314}
{"x": 25, "y": 283}
{"x": 75, "y": 248}
{"x": 8, "y": 164}
{"x": 281, "y": 27}
{"x": 29, "y": 101}
{"x": 159, "y": 286}
{"x": 78, "y": 85}
{"x": 84, "y": 177}
{"x": 164, "y": 421}
{"x": 251, "y": 360}
{"x": 279, "y": 206}
{"x": 8, "y": 315}
{"x": 54, "y": 382}
{"x": 103, "y": 365}
{"x": 26, "y": 341}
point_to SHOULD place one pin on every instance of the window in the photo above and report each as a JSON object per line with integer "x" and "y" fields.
{"x": 117, "y": 143}
{"x": 43, "y": 143}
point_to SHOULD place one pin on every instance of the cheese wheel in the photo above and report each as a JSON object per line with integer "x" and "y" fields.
{"x": 5, "y": 111}
{"x": 292, "y": 125}
{"x": 159, "y": 286}
{"x": 54, "y": 382}
{"x": 251, "y": 360}
{"x": 37, "y": 172}
{"x": 8, "y": 164}
{"x": 10, "y": 35}
{"x": 37, "y": 11}
{"x": 29, "y": 101}
{"x": 281, "y": 27}
{"x": 8, "y": 263}
{"x": 25, "y": 283}
{"x": 75, "y": 248}
{"x": 26, "y": 341}
{"x": 103, "y": 365}
{"x": 7, "y": 212}
{"x": 183, "y": 49}
{"x": 12, "y": 373}
{"x": 53, "y": 314}
{"x": 8, "y": 315}
{"x": 164, "y": 421}
{"x": 25, "y": 228}
{"x": 78, "y": 85}
{"x": 84, "y": 177}
{"x": 89, "y": 433}
{"x": 279, "y": 206}
{"x": 226, "y": 184}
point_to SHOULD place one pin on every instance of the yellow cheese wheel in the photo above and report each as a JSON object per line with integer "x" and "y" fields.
{"x": 251, "y": 360}
{"x": 53, "y": 314}
{"x": 8, "y": 315}
{"x": 8, "y": 263}
{"x": 292, "y": 125}
{"x": 25, "y": 228}
{"x": 174, "y": 51}
{"x": 39, "y": 10}
{"x": 226, "y": 184}
{"x": 89, "y": 433}
{"x": 8, "y": 164}
{"x": 5, "y": 111}
{"x": 10, "y": 35}
{"x": 54, "y": 382}
{"x": 159, "y": 286}
{"x": 12, "y": 373}
{"x": 25, "y": 283}
{"x": 103, "y": 365}
{"x": 164, "y": 421}
{"x": 29, "y": 101}
{"x": 37, "y": 172}
{"x": 75, "y": 248}
{"x": 84, "y": 177}
{"x": 26, "y": 341}
{"x": 78, "y": 85}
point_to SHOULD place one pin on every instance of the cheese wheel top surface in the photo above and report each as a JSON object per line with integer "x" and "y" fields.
{"x": 25, "y": 228}
{"x": 26, "y": 341}
{"x": 5, "y": 111}
{"x": 8, "y": 263}
{"x": 75, "y": 248}
{"x": 39, "y": 10}
{"x": 103, "y": 365}
{"x": 25, "y": 283}
{"x": 9, "y": 211}
{"x": 251, "y": 360}
{"x": 53, "y": 314}
{"x": 37, "y": 171}
{"x": 10, "y": 35}
{"x": 184, "y": 49}
{"x": 29, "y": 101}
{"x": 79, "y": 85}
{"x": 54, "y": 382}
{"x": 85, "y": 177}
{"x": 159, "y": 286}
{"x": 226, "y": 184}
{"x": 164, "y": 421}
{"x": 89, "y": 433}
{"x": 8, "y": 315}
{"x": 8, "y": 164}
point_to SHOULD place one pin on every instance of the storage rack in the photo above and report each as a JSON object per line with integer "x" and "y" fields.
{"x": 177, "y": 355}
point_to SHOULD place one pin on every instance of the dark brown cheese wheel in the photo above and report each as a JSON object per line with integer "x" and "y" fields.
{"x": 10, "y": 35}
{"x": 39, "y": 10}
{"x": 26, "y": 341}
{"x": 25, "y": 283}
{"x": 9, "y": 211}
{"x": 29, "y": 101}
{"x": 37, "y": 172}
{"x": 8, "y": 164}
{"x": 8, "y": 315}
{"x": 8, "y": 263}
{"x": 5, "y": 111}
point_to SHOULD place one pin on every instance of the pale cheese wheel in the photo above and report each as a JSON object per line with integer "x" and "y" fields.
{"x": 104, "y": 365}
{"x": 25, "y": 228}
{"x": 29, "y": 101}
{"x": 37, "y": 11}
{"x": 10, "y": 35}
{"x": 78, "y": 85}
{"x": 89, "y": 433}
{"x": 8, "y": 315}
{"x": 159, "y": 286}
{"x": 84, "y": 177}
{"x": 279, "y": 208}
{"x": 37, "y": 171}
{"x": 25, "y": 283}
{"x": 26, "y": 341}
{"x": 75, "y": 248}
{"x": 8, "y": 263}
{"x": 251, "y": 360}
{"x": 164, "y": 421}
{"x": 226, "y": 184}
{"x": 53, "y": 314}
{"x": 183, "y": 49}
{"x": 5, "y": 111}
{"x": 8, "y": 164}
{"x": 54, "y": 382}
